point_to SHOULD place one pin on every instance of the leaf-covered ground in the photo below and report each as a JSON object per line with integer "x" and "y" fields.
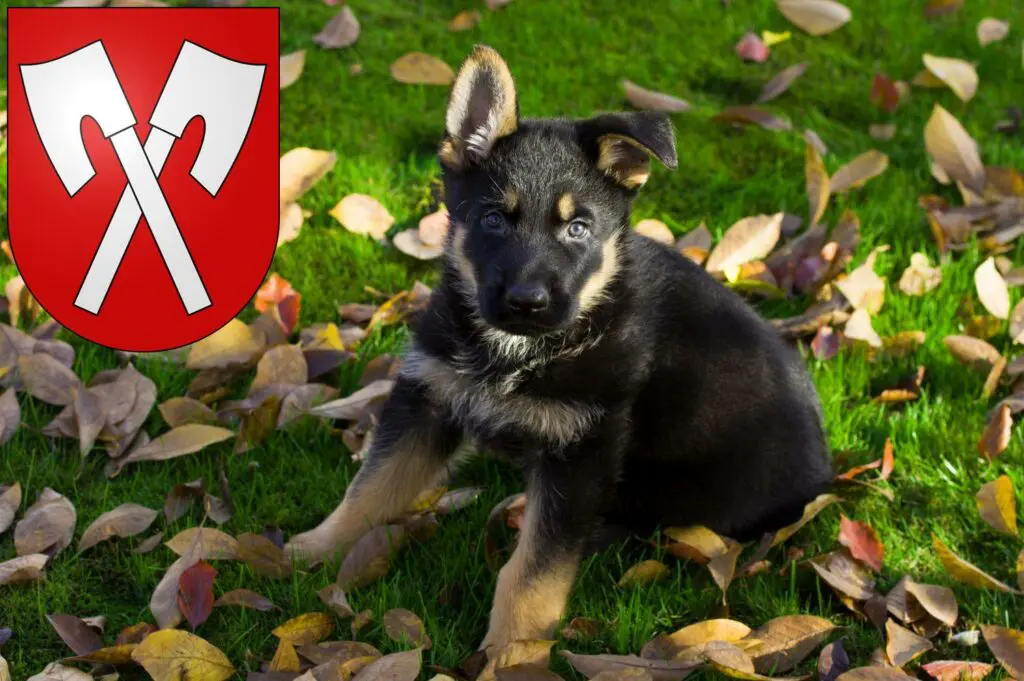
{"x": 568, "y": 58}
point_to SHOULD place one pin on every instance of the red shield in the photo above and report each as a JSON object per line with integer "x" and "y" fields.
{"x": 107, "y": 275}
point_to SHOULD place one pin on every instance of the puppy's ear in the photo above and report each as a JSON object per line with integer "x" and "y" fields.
{"x": 481, "y": 109}
{"x": 622, "y": 144}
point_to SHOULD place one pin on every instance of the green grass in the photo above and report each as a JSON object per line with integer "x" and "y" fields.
{"x": 568, "y": 58}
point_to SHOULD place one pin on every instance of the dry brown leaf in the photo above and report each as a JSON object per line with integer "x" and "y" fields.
{"x": 10, "y": 419}
{"x": 10, "y": 502}
{"x": 47, "y": 526}
{"x": 937, "y": 601}
{"x": 833, "y": 661}
{"x": 972, "y": 351}
{"x": 301, "y": 168}
{"x": 263, "y": 556}
{"x": 955, "y": 670}
{"x": 723, "y": 567}
{"x": 811, "y": 510}
{"x": 418, "y": 68}
{"x": 280, "y": 365}
{"x": 127, "y": 520}
{"x": 403, "y": 626}
{"x": 752, "y": 238}
{"x": 629, "y": 667}
{"x": 998, "y": 506}
{"x": 920, "y": 277}
{"x": 79, "y": 637}
{"x": 817, "y": 184}
{"x": 992, "y": 31}
{"x": 651, "y": 100}
{"x": 959, "y": 75}
{"x": 785, "y": 641}
{"x": 816, "y": 17}
{"x": 857, "y": 172}
{"x": 533, "y": 652}
{"x": 996, "y": 436}
{"x": 815, "y": 140}
{"x": 333, "y": 596}
{"x": 859, "y": 327}
{"x": 1008, "y": 647}
{"x": 178, "y": 411}
{"x": 212, "y": 544}
{"x": 751, "y": 115}
{"x": 176, "y": 442}
{"x": 882, "y": 131}
{"x": 291, "y": 66}
{"x": 171, "y": 654}
{"x": 863, "y": 287}
{"x": 656, "y": 230}
{"x": 352, "y": 407}
{"x": 118, "y": 654}
{"x": 668, "y": 646}
{"x": 903, "y": 645}
{"x": 781, "y": 82}
{"x": 849, "y": 578}
{"x": 411, "y": 243}
{"x": 404, "y": 666}
{"x": 992, "y": 289}
{"x": 953, "y": 149}
{"x": 464, "y": 20}
{"x": 342, "y": 30}
{"x": 55, "y": 671}
{"x": 149, "y": 545}
{"x": 47, "y": 379}
{"x": 962, "y": 571}
{"x": 231, "y": 344}
{"x": 290, "y": 224}
{"x": 644, "y": 573}
{"x": 245, "y": 598}
{"x": 23, "y": 569}
{"x": 362, "y": 214}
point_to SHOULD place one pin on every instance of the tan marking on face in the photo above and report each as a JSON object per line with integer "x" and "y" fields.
{"x": 449, "y": 154}
{"x": 566, "y": 207}
{"x": 460, "y": 260}
{"x": 529, "y": 603}
{"x": 510, "y": 200}
{"x": 595, "y": 288}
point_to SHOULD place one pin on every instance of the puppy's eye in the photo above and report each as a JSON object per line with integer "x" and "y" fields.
{"x": 493, "y": 221}
{"x": 577, "y": 229}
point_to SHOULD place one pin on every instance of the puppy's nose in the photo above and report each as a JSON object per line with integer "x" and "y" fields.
{"x": 527, "y": 298}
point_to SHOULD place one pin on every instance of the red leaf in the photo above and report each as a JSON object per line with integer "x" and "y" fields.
{"x": 287, "y": 312}
{"x": 752, "y": 48}
{"x": 195, "y": 593}
{"x": 273, "y": 291}
{"x": 884, "y": 92}
{"x": 862, "y": 542}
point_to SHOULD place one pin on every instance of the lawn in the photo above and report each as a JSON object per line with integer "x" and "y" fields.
{"x": 568, "y": 58}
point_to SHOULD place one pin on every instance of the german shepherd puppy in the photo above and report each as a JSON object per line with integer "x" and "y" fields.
{"x": 633, "y": 388}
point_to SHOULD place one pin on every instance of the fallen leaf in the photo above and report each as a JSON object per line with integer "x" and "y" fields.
{"x": 320, "y": 653}
{"x": 231, "y": 344}
{"x": 723, "y": 567}
{"x": 361, "y": 620}
{"x": 275, "y": 289}
{"x": 992, "y": 290}
{"x": 972, "y": 351}
{"x": 920, "y": 277}
{"x": 263, "y": 557}
{"x": 457, "y": 499}
{"x": 992, "y": 31}
{"x": 245, "y": 598}
{"x": 176, "y": 442}
{"x": 857, "y": 172}
{"x": 825, "y": 344}
{"x": 859, "y": 327}
{"x": 23, "y": 569}
{"x": 306, "y": 629}
{"x": 280, "y": 365}
{"x": 812, "y": 509}
{"x": 352, "y": 407}
{"x": 630, "y": 667}
{"x": 752, "y": 238}
{"x": 903, "y": 645}
{"x": 937, "y": 8}
{"x": 195, "y": 593}
{"x": 342, "y": 30}
{"x": 48, "y": 526}
{"x": 403, "y": 666}
{"x": 863, "y": 287}
{"x": 135, "y": 633}
{"x": 959, "y": 75}
{"x": 10, "y": 502}
{"x": 862, "y": 541}
{"x": 370, "y": 557}
{"x": 149, "y": 545}
{"x": 962, "y": 571}
{"x": 418, "y": 68}
{"x": 1007, "y": 645}
{"x": 953, "y": 149}
{"x": 955, "y": 670}
{"x": 410, "y": 242}
{"x": 849, "y": 578}
{"x": 403, "y": 626}
{"x": 179, "y": 411}
{"x": 210, "y": 543}
{"x": 786, "y": 641}
{"x": 79, "y": 637}
{"x": 656, "y": 230}
{"x": 290, "y": 67}
{"x": 650, "y": 100}
{"x": 781, "y": 82}
{"x": 996, "y": 436}
{"x": 118, "y": 654}
{"x": 771, "y": 38}
{"x": 814, "y": 140}
{"x": 937, "y": 601}
{"x": 286, "y": 659}
{"x": 882, "y": 131}
{"x": 817, "y": 184}
{"x": 668, "y": 646}
{"x": 181, "y": 497}
{"x": 172, "y": 654}
{"x": 124, "y": 521}
{"x": 751, "y": 48}
{"x": 58, "y": 672}
{"x": 47, "y": 379}
{"x": 301, "y": 168}
{"x": 362, "y": 214}
{"x": 833, "y": 661}
{"x": 464, "y": 20}
{"x": 333, "y": 596}
{"x": 10, "y": 419}
{"x": 816, "y": 17}
{"x": 290, "y": 224}
{"x": 751, "y": 115}
{"x": 998, "y": 506}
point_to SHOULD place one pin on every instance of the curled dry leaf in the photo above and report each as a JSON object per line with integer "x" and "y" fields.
{"x": 751, "y": 115}
{"x": 833, "y": 661}
{"x": 817, "y": 184}
{"x": 903, "y": 645}
{"x": 857, "y": 172}
{"x": 862, "y": 541}
{"x": 10, "y": 502}
{"x": 171, "y": 654}
{"x": 972, "y": 351}
{"x": 992, "y": 289}
{"x": 290, "y": 223}
{"x": 342, "y": 30}
{"x": 176, "y": 442}
{"x": 644, "y": 573}
{"x": 956, "y": 670}
{"x": 859, "y": 327}
{"x": 953, "y": 149}
{"x": 811, "y": 510}
{"x": 920, "y": 277}
{"x": 10, "y": 419}
{"x": 47, "y": 527}
{"x": 79, "y": 637}
{"x": 209, "y": 544}
{"x": 301, "y": 168}
{"x": 23, "y": 569}
{"x": 352, "y": 407}
{"x": 411, "y": 243}
{"x": 996, "y": 436}
{"x": 231, "y": 344}
{"x": 286, "y": 660}
{"x": 433, "y": 228}
{"x": 244, "y": 598}
{"x": 863, "y": 287}
{"x": 960, "y": 76}
{"x": 403, "y": 666}
{"x": 178, "y": 411}
{"x": 1008, "y": 647}
{"x": 656, "y": 230}
{"x": 263, "y": 556}
{"x": 992, "y": 31}
{"x": 275, "y": 289}
{"x": 849, "y": 578}
{"x": 962, "y": 571}
{"x": 998, "y": 506}
{"x": 630, "y": 667}
{"x": 291, "y": 66}
{"x": 362, "y": 214}
{"x": 781, "y": 82}
{"x": 813, "y": 139}
{"x": 333, "y": 596}
{"x": 46, "y": 379}
{"x": 752, "y": 238}
{"x": 650, "y": 100}
{"x": 149, "y": 545}
{"x": 124, "y": 521}
{"x": 403, "y": 626}
{"x": 464, "y": 20}
{"x": 55, "y": 671}
{"x": 784, "y": 642}
{"x": 817, "y": 17}
{"x": 418, "y": 68}
{"x": 937, "y": 601}
{"x": 751, "y": 48}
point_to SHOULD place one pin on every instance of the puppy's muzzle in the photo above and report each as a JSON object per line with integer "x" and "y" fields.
{"x": 525, "y": 301}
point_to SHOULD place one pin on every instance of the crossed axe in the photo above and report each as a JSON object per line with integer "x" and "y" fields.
{"x": 83, "y": 83}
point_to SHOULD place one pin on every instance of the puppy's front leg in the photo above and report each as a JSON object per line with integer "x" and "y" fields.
{"x": 564, "y": 495}
{"x": 410, "y": 449}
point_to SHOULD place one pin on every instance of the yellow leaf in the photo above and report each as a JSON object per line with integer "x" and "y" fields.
{"x": 770, "y": 38}
{"x": 962, "y": 571}
{"x": 960, "y": 76}
{"x": 423, "y": 69}
{"x": 285, "y": 659}
{"x": 954, "y": 150}
{"x": 305, "y": 630}
{"x": 810, "y": 510}
{"x": 997, "y": 505}
{"x": 232, "y": 343}
{"x": 858, "y": 171}
{"x": 1008, "y": 647}
{"x": 644, "y": 573}
{"x": 818, "y": 188}
{"x": 172, "y": 655}
{"x": 291, "y": 66}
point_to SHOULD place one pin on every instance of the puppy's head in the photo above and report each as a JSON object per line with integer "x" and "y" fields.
{"x": 538, "y": 207}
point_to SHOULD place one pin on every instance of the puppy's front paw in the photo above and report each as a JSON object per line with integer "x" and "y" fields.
{"x": 313, "y": 546}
